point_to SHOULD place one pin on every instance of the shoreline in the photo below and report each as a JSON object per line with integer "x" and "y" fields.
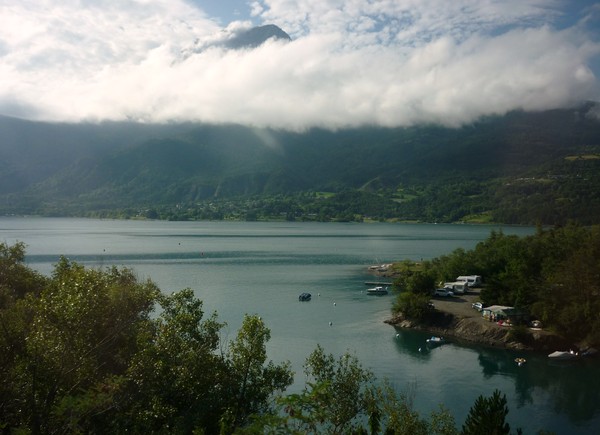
{"x": 455, "y": 318}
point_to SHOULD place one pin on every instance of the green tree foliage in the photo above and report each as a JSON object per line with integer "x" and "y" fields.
{"x": 254, "y": 381}
{"x": 554, "y": 274}
{"x": 345, "y": 382}
{"x": 487, "y": 416}
{"x": 16, "y": 279}
{"x": 339, "y": 395}
{"x": 178, "y": 379}
{"x": 343, "y": 397}
{"x": 415, "y": 278}
{"x": 19, "y": 285}
{"x": 415, "y": 284}
{"x": 82, "y": 353}
{"x": 75, "y": 340}
{"x": 413, "y": 306}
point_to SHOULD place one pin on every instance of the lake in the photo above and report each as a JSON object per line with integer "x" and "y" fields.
{"x": 261, "y": 268}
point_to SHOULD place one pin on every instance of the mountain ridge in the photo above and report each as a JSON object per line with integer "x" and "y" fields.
{"x": 256, "y": 36}
{"x": 419, "y": 173}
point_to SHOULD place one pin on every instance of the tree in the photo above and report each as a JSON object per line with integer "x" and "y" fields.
{"x": 415, "y": 283}
{"x": 338, "y": 394}
{"x": 413, "y": 306}
{"x": 70, "y": 346}
{"x": 342, "y": 397}
{"x": 178, "y": 381}
{"x": 16, "y": 279}
{"x": 487, "y": 416}
{"x": 254, "y": 383}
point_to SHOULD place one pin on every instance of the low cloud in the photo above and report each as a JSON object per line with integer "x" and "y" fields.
{"x": 350, "y": 63}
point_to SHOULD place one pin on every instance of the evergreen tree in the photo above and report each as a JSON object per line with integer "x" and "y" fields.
{"x": 487, "y": 416}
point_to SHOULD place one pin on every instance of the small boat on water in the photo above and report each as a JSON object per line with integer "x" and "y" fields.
{"x": 563, "y": 354}
{"x": 304, "y": 297}
{"x": 520, "y": 361}
{"x": 379, "y": 290}
{"x": 435, "y": 341}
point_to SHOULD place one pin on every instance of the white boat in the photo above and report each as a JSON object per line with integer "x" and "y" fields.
{"x": 562, "y": 354}
{"x": 379, "y": 290}
{"x": 435, "y": 340}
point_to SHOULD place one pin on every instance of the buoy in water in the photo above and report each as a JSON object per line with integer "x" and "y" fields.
{"x": 330, "y": 323}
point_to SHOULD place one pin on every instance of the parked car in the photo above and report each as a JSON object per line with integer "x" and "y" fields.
{"x": 443, "y": 292}
{"x": 477, "y": 305}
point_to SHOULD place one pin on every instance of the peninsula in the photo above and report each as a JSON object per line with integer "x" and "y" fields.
{"x": 455, "y": 318}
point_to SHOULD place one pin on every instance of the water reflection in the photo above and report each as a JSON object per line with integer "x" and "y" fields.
{"x": 570, "y": 388}
{"x": 573, "y": 387}
{"x": 414, "y": 344}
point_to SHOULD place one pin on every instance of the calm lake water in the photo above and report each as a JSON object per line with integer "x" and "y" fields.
{"x": 261, "y": 268}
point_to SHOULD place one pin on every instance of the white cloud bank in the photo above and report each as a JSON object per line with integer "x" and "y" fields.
{"x": 351, "y": 62}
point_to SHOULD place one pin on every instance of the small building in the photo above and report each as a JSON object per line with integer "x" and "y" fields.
{"x": 513, "y": 315}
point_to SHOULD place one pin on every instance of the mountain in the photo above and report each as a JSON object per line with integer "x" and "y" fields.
{"x": 518, "y": 168}
{"x": 256, "y": 36}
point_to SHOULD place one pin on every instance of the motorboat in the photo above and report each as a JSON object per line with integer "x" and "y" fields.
{"x": 304, "y": 297}
{"x": 435, "y": 341}
{"x": 520, "y": 361}
{"x": 563, "y": 354}
{"x": 379, "y": 290}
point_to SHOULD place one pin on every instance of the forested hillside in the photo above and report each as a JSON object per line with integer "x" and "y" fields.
{"x": 519, "y": 168}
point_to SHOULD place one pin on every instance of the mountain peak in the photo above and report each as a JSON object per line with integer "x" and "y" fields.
{"x": 256, "y": 36}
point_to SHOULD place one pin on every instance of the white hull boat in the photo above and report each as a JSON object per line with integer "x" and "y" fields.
{"x": 562, "y": 354}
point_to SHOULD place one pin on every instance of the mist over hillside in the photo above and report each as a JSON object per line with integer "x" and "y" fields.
{"x": 519, "y": 168}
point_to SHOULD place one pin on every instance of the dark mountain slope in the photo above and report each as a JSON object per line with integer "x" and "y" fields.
{"x": 427, "y": 173}
{"x": 31, "y": 152}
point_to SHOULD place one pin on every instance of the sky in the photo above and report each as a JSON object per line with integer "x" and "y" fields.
{"x": 351, "y": 63}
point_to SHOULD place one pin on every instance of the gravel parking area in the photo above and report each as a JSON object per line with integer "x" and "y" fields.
{"x": 459, "y": 305}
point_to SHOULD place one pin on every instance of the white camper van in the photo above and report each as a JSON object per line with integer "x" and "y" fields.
{"x": 472, "y": 280}
{"x": 458, "y": 287}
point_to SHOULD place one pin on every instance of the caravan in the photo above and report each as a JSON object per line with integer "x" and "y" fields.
{"x": 458, "y": 287}
{"x": 472, "y": 280}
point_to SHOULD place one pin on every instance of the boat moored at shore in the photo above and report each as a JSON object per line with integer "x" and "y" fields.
{"x": 378, "y": 290}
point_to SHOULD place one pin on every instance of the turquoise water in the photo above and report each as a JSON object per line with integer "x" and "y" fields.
{"x": 260, "y": 268}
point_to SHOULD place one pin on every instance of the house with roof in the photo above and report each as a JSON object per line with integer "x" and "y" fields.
{"x": 511, "y": 315}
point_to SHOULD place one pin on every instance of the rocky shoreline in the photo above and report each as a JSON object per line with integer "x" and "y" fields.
{"x": 454, "y": 318}
{"x": 474, "y": 331}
